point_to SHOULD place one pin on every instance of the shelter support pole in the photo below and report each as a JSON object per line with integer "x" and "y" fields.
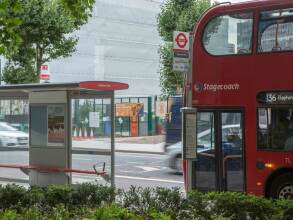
{"x": 189, "y": 167}
{"x": 112, "y": 140}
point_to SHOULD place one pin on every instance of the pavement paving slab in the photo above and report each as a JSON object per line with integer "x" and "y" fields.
{"x": 149, "y": 144}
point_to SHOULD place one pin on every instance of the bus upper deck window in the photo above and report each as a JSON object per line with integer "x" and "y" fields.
{"x": 276, "y": 30}
{"x": 229, "y": 34}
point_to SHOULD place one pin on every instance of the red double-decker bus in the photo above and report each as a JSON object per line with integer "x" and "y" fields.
{"x": 242, "y": 90}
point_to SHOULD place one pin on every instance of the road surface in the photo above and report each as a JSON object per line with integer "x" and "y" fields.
{"x": 138, "y": 169}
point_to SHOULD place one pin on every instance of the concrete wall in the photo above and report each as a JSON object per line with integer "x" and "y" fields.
{"x": 120, "y": 43}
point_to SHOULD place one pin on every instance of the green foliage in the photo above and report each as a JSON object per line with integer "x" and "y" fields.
{"x": 31, "y": 214}
{"x": 171, "y": 82}
{"x": 171, "y": 12}
{"x": 58, "y": 194}
{"x": 11, "y": 196}
{"x": 146, "y": 201}
{"x": 90, "y": 201}
{"x": 114, "y": 212}
{"x": 180, "y": 15}
{"x": 81, "y": 10}
{"x": 45, "y": 30}
{"x": 15, "y": 74}
{"x": 189, "y": 17}
{"x": 9, "y": 40}
{"x": 90, "y": 195}
{"x": 239, "y": 206}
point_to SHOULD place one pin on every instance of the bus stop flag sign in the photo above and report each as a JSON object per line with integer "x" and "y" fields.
{"x": 181, "y": 51}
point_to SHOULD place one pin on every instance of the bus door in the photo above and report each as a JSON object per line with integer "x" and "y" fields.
{"x": 219, "y": 164}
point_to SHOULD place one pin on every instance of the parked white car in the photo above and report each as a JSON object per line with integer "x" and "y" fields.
{"x": 10, "y": 136}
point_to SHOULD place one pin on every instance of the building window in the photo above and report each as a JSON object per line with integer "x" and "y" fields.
{"x": 229, "y": 34}
{"x": 276, "y": 31}
{"x": 275, "y": 129}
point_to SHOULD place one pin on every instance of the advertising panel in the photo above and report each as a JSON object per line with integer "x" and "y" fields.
{"x": 56, "y": 125}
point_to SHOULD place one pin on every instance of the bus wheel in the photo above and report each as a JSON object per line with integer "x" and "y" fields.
{"x": 282, "y": 187}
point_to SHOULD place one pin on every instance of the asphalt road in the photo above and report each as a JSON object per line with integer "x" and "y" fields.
{"x": 145, "y": 170}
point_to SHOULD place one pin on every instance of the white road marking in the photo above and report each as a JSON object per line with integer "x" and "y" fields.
{"x": 133, "y": 178}
{"x": 149, "y": 179}
{"x": 148, "y": 156}
{"x": 82, "y": 159}
{"x": 148, "y": 169}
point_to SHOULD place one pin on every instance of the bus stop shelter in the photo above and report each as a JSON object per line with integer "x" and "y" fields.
{"x": 50, "y": 129}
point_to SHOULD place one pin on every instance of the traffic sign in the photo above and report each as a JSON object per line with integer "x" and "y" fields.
{"x": 181, "y": 41}
{"x": 45, "y": 74}
{"x": 181, "y": 53}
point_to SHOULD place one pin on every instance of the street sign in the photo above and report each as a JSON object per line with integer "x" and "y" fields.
{"x": 181, "y": 51}
{"x": 45, "y": 74}
{"x": 180, "y": 67}
{"x": 181, "y": 41}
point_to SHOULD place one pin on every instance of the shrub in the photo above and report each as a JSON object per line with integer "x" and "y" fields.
{"x": 144, "y": 201}
{"x": 58, "y": 194}
{"x": 11, "y": 196}
{"x": 31, "y": 214}
{"x": 91, "y": 201}
{"x": 34, "y": 196}
{"x": 114, "y": 212}
{"x": 92, "y": 195}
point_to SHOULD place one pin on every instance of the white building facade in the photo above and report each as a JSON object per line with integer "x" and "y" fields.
{"x": 119, "y": 43}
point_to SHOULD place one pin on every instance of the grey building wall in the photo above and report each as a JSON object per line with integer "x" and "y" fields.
{"x": 120, "y": 43}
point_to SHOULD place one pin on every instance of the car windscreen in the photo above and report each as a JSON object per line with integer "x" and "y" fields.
{"x": 6, "y": 127}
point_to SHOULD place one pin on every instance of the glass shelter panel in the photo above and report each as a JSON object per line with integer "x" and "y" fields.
{"x": 91, "y": 137}
{"x": 14, "y": 139}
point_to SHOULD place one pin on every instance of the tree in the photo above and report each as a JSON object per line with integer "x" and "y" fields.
{"x": 81, "y": 10}
{"x": 9, "y": 39}
{"x": 180, "y": 15}
{"x": 44, "y": 31}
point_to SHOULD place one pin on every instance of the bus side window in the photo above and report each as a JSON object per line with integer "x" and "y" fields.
{"x": 275, "y": 129}
{"x": 276, "y": 31}
{"x": 263, "y": 134}
{"x": 229, "y": 34}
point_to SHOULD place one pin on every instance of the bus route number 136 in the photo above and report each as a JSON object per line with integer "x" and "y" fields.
{"x": 271, "y": 98}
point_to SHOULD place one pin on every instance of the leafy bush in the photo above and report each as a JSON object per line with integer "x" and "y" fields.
{"x": 11, "y": 196}
{"x": 90, "y": 201}
{"x": 239, "y": 206}
{"x": 58, "y": 194}
{"x": 73, "y": 196}
{"x": 114, "y": 212}
{"x": 91, "y": 195}
{"x": 144, "y": 201}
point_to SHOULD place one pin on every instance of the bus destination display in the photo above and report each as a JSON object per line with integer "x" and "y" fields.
{"x": 276, "y": 97}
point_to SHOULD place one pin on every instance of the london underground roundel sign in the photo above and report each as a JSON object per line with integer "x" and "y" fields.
{"x": 181, "y": 41}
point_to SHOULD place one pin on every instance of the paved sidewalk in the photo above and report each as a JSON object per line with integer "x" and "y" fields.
{"x": 151, "y": 144}
{"x": 140, "y": 148}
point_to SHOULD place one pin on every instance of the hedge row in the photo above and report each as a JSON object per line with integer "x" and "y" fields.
{"x": 90, "y": 201}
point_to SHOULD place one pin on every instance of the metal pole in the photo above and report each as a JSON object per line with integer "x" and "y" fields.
{"x": 112, "y": 140}
{"x": 189, "y": 170}
{"x": 69, "y": 133}
{"x": 0, "y": 72}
